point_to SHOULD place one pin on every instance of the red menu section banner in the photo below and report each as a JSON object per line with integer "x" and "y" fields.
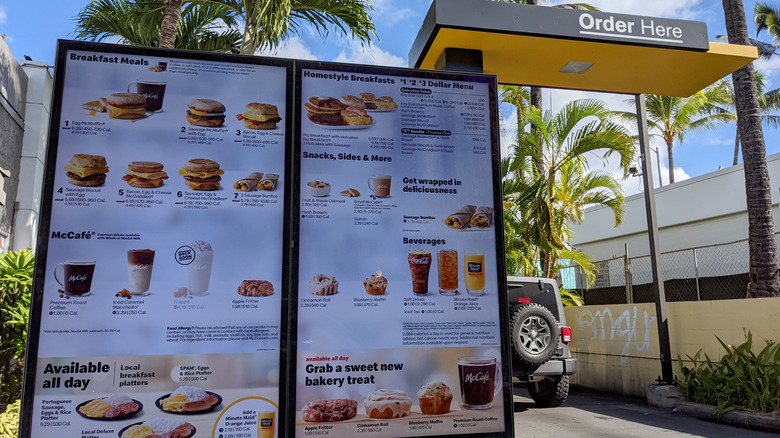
{"x": 398, "y": 283}
{"x": 160, "y": 310}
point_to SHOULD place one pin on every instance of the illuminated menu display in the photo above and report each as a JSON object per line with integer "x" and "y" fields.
{"x": 161, "y": 305}
{"x": 398, "y": 315}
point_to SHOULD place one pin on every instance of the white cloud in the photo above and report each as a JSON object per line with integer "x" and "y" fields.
{"x": 372, "y": 55}
{"x": 656, "y": 8}
{"x": 291, "y": 48}
{"x": 719, "y": 141}
{"x": 770, "y": 69}
{"x": 388, "y": 14}
{"x": 3, "y": 15}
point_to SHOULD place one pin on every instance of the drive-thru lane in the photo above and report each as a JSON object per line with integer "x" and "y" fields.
{"x": 589, "y": 414}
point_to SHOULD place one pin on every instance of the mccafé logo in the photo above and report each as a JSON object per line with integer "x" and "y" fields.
{"x": 477, "y": 377}
{"x": 640, "y": 28}
{"x": 78, "y": 277}
{"x": 72, "y": 235}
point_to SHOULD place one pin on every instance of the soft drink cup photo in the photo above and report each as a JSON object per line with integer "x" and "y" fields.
{"x": 420, "y": 265}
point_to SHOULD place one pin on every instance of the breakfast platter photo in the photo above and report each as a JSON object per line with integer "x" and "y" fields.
{"x": 112, "y": 408}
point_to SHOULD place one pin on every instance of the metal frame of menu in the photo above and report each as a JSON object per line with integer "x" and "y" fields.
{"x": 353, "y": 338}
{"x": 222, "y": 214}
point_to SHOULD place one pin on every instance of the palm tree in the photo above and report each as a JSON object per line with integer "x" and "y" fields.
{"x": 767, "y": 100}
{"x": 671, "y": 118}
{"x": 268, "y": 22}
{"x": 201, "y": 27}
{"x": 249, "y": 24}
{"x": 763, "y": 275}
{"x": 555, "y": 184}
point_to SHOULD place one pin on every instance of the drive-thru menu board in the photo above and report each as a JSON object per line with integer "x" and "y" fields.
{"x": 398, "y": 321}
{"x": 162, "y": 265}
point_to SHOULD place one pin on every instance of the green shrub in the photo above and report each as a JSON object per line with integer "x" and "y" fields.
{"x": 16, "y": 273}
{"x": 9, "y": 421}
{"x": 740, "y": 380}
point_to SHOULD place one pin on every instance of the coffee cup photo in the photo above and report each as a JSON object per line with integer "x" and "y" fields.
{"x": 153, "y": 91}
{"x": 480, "y": 381}
{"x": 75, "y": 277}
{"x": 380, "y": 185}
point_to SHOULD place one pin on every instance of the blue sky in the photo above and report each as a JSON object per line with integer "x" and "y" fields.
{"x": 33, "y": 26}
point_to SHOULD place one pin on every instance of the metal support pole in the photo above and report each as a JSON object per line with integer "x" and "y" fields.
{"x": 658, "y": 160}
{"x": 627, "y": 270}
{"x": 667, "y": 376}
{"x": 696, "y": 271}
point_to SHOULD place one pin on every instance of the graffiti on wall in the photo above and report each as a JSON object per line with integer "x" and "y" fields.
{"x": 602, "y": 323}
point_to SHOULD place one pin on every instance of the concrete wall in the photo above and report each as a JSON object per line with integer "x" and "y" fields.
{"x": 705, "y": 210}
{"x": 617, "y": 345}
{"x": 13, "y": 90}
{"x": 33, "y": 157}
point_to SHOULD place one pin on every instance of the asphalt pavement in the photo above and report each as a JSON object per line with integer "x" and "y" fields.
{"x": 592, "y": 414}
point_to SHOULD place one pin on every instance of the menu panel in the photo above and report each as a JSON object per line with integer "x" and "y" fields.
{"x": 162, "y": 268}
{"x": 398, "y": 306}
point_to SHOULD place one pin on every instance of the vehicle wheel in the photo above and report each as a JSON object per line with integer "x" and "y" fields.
{"x": 551, "y": 392}
{"x": 534, "y": 334}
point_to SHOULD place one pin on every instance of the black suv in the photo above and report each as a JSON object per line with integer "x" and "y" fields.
{"x": 541, "y": 359}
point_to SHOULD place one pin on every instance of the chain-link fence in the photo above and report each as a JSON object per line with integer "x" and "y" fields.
{"x": 714, "y": 272}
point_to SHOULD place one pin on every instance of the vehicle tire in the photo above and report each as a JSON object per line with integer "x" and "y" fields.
{"x": 534, "y": 334}
{"x": 551, "y": 393}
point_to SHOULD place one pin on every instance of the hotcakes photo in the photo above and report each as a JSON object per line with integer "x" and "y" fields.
{"x": 331, "y": 113}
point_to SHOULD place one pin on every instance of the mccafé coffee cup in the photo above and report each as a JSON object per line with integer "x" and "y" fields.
{"x": 480, "y": 381}
{"x": 153, "y": 91}
{"x": 75, "y": 277}
{"x": 380, "y": 185}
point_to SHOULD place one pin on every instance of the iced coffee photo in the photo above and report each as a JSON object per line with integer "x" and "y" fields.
{"x": 139, "y": 270}
{"x": 199, "y": 271}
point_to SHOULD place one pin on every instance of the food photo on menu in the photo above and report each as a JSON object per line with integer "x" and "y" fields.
{"x": 111, "y": 408}
{"x": 470, "y": 217}
{"x": 87, "y": 170}
{"x": 257, "y": 181}
{"x": 202, "y": 174}
{"x": 189, "y": 400}
{"x": 204, "y": 112}
{"x": 347, "y": 112}
{"x": 260, "y": 116}
{"x": 158, "y": 427}
{"x": 145, "y": 174}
